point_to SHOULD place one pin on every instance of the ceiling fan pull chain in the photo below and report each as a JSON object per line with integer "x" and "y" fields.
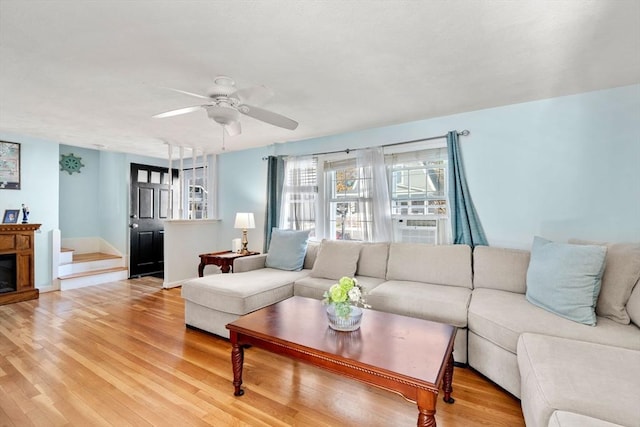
{"x": 223, "y": 148}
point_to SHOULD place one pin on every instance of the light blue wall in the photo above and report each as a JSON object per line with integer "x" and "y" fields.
{"x": 39, "y": 191}
{"x": 80, "y": 195}
{"x": 242, "y": 188}
{"x": 113, "y": 186}
{"x": 560, "y": 168}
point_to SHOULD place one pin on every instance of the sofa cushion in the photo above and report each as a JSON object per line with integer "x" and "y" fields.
{"x": 446, "y": 304}
{"x": 315, "y": 287}
{"x": 569, "y": 419}
{"x": 242, "y": 293}
{"x": 440, "y": 265}
{"x": 287, "y": 249}
{"x": 312, "y": 287}
{"x": 248, "y": 263}
{"x": 565, "y": 279}
{"x": 621, "y": 272}
{"x": 633, "y": 305}
{"x": 500, "y": 317}
{"x": 595, "y": 380}
{"x": 500, "y": 268}
{"x": 373, "y": 260}
{"x": 312, "y": 252}
{"x": 336, "y": 259}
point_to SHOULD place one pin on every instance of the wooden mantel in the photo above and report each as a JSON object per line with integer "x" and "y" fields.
{"x": 19, "y": 239}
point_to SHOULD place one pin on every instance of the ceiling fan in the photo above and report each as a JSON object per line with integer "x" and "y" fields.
{"x": 225, "y": 103}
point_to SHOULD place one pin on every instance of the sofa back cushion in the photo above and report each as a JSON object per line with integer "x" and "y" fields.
{"x": 312, "y": 253}
{"x": 500, "y": 268}
{"x": 633, "y": 305}
{"x": 373, "y": 260}
{"x": 621, "y": 272}
{"x": 440, "y": 264}
{"x": 336, "y": 259}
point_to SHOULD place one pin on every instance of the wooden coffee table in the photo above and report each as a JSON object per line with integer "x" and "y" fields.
{"x": 412, "y": 357}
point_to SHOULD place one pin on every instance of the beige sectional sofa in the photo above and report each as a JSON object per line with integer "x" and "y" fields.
{"x": 564, "y": 372}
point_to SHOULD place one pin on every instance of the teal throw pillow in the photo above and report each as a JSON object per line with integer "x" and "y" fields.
{"x": 287, "y": 249}
{"x": 565, "y": 279}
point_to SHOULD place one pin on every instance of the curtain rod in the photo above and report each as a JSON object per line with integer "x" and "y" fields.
{"x": 349, "y": 150}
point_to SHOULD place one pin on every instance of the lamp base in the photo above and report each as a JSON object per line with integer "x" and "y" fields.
{"x": 245, "y": 242}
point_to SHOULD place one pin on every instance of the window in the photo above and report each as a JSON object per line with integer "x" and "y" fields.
{"x": 348, "y": 202}
{"x": 418, "y": 183}
{"x": 419, "y": 206}
{"x": 299, "y": 195}
{"x": 338, "y": 193}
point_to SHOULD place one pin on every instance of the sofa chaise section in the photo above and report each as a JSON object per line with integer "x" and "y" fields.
{"x": 215, "y": 300}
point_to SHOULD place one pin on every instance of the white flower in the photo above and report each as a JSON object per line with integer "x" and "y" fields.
{"x": 355, "y": 294}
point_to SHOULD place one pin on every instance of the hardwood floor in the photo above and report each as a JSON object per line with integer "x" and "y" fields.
{"x": 119, "y": 354}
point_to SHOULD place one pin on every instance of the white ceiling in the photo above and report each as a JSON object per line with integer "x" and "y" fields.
{"x": 92, "y": 73}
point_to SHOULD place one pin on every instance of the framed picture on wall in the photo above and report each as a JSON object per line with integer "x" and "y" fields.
{"x": 10, "y": 216}
{"x": 9, "y": 165}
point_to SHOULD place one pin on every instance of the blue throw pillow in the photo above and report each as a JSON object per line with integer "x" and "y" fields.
{"x": 287, "y": 249}
{"x": 565, "y": 279}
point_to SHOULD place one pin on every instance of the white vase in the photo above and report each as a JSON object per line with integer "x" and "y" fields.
{"x": 347, "y": 324}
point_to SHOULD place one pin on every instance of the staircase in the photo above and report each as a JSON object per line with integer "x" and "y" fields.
{"x": 88, "y": 269}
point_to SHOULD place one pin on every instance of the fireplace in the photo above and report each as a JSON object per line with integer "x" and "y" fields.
{"x": 8, "y": 273}
{"x": 17, "y": 260}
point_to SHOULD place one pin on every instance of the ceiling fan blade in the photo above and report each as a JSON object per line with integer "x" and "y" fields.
{"x": 268, "y": 116}
{"x": 178, "y": 112}
{"x": 253, "y": 95}
{"x": 188, "y": 93}
{"x": 233, "y": 128}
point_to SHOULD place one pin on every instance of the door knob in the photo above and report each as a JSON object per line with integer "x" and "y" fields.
{"x": 134, "y": 216}
{"x": 134, "y": 225}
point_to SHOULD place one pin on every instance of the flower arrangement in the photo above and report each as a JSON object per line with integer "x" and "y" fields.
{"x": 344, "y": 294}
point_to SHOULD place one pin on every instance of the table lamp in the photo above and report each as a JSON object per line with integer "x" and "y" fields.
{"x": 244, "y": 221}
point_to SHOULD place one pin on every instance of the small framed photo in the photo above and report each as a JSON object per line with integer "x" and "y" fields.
{"x": 10, "y": 216}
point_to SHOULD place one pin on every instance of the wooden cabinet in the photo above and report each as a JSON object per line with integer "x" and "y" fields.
{"x": 17, "y": 243}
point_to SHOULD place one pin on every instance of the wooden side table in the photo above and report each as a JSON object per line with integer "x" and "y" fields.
{"x": 223, "y": 259}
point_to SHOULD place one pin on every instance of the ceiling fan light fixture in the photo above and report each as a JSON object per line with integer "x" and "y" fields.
{"x": 222, "y": 115}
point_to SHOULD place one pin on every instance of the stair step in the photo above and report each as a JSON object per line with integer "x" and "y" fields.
{"x": 66, "y": 250}
{"x": 92, "y": 272}
{"x": 94, "y": 256}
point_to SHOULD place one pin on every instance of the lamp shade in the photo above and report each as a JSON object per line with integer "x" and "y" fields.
{"x": 244, "y": 220}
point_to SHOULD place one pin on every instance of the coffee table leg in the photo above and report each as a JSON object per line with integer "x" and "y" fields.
{"x": 448, "y": 379}
{"x": 201, "y": 269}
{"x": 237, "y": 359}
{"x": 427, "y": 408}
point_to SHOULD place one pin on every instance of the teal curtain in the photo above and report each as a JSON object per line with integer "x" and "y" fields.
{"x": 275, "y": 179}
{"x": 465, "y": 224}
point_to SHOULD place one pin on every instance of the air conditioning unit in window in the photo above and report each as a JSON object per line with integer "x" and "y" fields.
{"x": 415, "y": 229}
